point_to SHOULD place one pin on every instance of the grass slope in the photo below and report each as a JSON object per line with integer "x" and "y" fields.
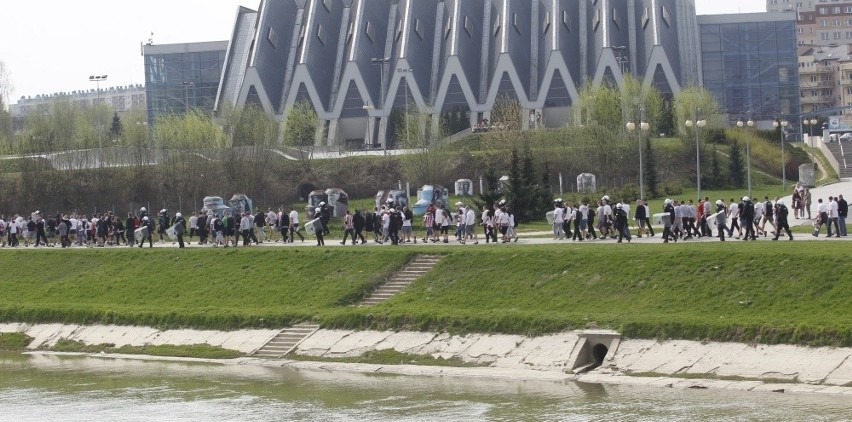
{"x": 769, "y": 292}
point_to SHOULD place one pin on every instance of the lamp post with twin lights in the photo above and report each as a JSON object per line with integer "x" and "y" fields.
{"x": 749, "y": 124}
{"x": 643, "y": 127}
{"x": 97, "y": 79}
{"x": 696, "y": 125}
{"x": 781, "y": 124}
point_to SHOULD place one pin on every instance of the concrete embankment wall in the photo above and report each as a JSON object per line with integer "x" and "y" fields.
{"x": 552, "y": 354}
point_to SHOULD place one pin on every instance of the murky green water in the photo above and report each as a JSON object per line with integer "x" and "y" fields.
{"x": 61, "y": 388}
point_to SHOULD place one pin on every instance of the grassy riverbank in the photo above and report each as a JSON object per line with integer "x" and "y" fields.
{"x": 790, "y": 292}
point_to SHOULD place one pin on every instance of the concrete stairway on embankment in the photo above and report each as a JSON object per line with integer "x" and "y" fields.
{"x": 402, "y": 279}
{"x": 286, "y": 340}
{"x": 843, "y": 155}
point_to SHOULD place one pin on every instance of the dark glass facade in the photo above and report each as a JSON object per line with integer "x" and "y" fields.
{"x": 750, "y": 64}
{"x": 181, "y": 77}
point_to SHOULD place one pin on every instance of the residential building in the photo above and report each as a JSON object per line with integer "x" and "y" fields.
{"x": 118, "y": 98}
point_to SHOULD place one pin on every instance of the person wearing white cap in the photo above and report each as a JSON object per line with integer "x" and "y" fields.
{"x": 318, "y": 230}
{"x": 148, "y": 232}
{"x": 721, "y": 218}
{"x": 180, "y": 228}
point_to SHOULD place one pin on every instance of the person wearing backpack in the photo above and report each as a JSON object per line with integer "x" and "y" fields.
{"x": 218, "y": 229}
{"x": 781, "y": 220}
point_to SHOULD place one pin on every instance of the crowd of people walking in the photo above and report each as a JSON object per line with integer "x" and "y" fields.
{"x": 685, "y": 220}
{"x": 746, "y": 219}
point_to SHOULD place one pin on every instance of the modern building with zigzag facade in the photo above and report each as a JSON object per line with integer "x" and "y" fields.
{"x": 356, "y": 61}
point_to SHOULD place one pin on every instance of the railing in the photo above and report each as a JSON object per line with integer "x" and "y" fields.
{"x": 822, "y": 84}
{"x": 814, "y": 70}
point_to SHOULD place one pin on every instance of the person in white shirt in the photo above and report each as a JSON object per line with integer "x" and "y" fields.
{"x": 245, "y": 226}
{"x": 759, "y": 210}
{"x": 470, "y": 225}
{"x": 567, "y": 218}
{"x": 294, "y": 225}
{"x": 734, "y": 217}
{"x": 583, "y": 215}
{"x": 510, "y": 232}
{"x": 606, "y": 220}
{"x": 272, "y": 222}
{"x": 833, "y": 216}
{"x": 558, "y": 218}
{"x": 503, "y": 220}
{"x": 193, "y": 221}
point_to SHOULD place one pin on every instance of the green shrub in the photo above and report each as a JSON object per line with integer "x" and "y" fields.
{"x": 14, "y": 341}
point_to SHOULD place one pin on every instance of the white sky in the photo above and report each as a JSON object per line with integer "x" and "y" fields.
{"x": 55, "y": 45}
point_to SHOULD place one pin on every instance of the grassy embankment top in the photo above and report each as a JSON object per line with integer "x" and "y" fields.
{"x": 790, "y": 292}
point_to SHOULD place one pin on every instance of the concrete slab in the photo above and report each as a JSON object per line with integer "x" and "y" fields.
{"x": 356, "y": 343}
{"x": 490, "y": 348}
{"x": 320, "y": 342}
{"x": 405, "y": 342}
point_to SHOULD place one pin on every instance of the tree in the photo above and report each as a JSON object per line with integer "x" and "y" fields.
{"x": 600, "y": 105}
{"x": 528, "y": 194}
{"x": 695, "y": 104}
{"x": 636, "y": 98}
{"x": 193, "y": 130}
{"x": 414, "y": 130}
{"x": 252, "y": 140}
{"x": 715, "y": 172}
{"x": 115, "y": 129}
{"x": 735, "y": 166}
{"x": 301, "y": 127}
{"x": 650, "y": 169}
{"x": 5, "y": 116}
{"x": 491, "y": 195}
{"x": 300, "y": 130}
{"x": 504, "y": 125}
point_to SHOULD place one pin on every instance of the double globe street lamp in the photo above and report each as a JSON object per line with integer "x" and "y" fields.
{"x": 749, "y": 124}
{"x": 643, "y": 127}
{"x": 697, "y": 124}
{"x": 780, "y": 123}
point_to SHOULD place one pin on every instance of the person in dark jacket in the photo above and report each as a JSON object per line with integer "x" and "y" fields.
{"x": 394, "y": 226}
{"x": 747, "y": 214}
{"x": 781, "y": 220}
{"x": 164, "y": 222}
{"x": 148, "y": 232}
{"x": 180, "y": 228}
{"x": 325, "y": 218}
{"x": 201, "y": 228}
{"x": 359, "y": 222}
{"x": 668, "y": 220}
{"x": 130, "y": 227}
{"x": 318, "y": 229}
{"x": 621, "y": 223}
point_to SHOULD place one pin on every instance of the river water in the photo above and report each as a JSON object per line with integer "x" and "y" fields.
{"x": 68, "y": 388}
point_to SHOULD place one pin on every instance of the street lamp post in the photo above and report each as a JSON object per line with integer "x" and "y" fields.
{"x": 643, "y": 127}
{"x": 697, "y": 124}
{"x": 782, "y": 124}
{"x": 97, "y": 79}
{"x": 381, "y": 62}
{"x": 740, "y": 124}
{"x": 407, "y": 117}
